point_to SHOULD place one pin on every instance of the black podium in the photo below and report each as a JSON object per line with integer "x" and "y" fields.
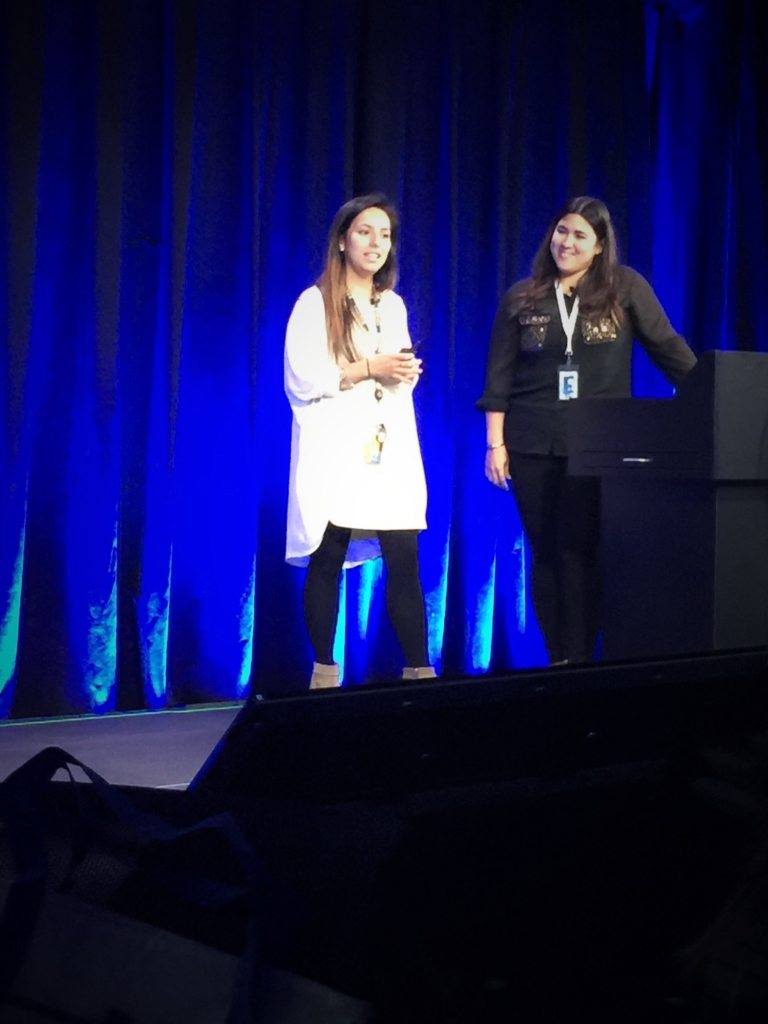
{"x": 684, "y": 509}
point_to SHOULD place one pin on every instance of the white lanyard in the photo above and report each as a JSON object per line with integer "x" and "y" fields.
{"x": 568, "y": 321}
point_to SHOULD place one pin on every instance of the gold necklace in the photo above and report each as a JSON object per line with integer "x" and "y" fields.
{"x": 378, "y": 392}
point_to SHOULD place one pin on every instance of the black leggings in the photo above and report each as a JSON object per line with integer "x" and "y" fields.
{"x": 561, "y": 518}
{"x": 405, "y": 600}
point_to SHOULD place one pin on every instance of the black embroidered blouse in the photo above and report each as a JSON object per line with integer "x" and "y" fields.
{"x": 527, "y": 348}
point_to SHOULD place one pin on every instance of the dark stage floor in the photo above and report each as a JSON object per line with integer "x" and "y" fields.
{"x": 157, "y": 749}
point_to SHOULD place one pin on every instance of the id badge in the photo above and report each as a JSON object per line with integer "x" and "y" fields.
{"x": 567, "y": 382}
{"x": 375, "y": 445}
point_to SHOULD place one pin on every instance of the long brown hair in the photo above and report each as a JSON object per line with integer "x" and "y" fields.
{"x": 333, "y": 283}
{"x": 598, "y": 288}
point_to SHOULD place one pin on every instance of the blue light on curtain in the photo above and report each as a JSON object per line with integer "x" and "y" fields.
{"x": 168, "y": 172}
{"x": 709, "y": 134}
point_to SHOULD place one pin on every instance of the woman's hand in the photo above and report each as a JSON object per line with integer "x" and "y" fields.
{"x": 395, "y": 367}
{"x": 497, "y": 467}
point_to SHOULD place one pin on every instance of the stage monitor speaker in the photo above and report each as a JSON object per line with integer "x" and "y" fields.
{"x": 386, "y": 742}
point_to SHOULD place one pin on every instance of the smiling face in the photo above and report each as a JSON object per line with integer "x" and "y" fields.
{"x": 367, "y": 242}
{"x": 574, "y": 246}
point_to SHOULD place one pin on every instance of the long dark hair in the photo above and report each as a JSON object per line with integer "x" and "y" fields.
{"x": 598, "y": 288}
{"x": 332, "y": 282}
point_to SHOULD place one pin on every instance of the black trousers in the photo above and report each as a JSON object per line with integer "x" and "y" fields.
{"x": 561, "y": 518}
{"x": 405, "y": 598}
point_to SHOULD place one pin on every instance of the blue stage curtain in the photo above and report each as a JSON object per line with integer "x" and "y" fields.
{"x": 168, "y": 172}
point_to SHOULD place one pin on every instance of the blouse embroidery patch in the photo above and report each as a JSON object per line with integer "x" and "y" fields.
{"x": 595, "y": 332}
{"x": 534, "y": 329}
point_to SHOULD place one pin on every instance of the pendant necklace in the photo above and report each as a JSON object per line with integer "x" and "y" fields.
{"x": 378, "y": 392}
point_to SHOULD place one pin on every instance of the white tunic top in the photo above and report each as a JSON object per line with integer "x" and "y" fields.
{"x": 331, "y": 478}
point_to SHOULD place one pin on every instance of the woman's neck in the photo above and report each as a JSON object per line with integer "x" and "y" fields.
{"x": 359, "y": 286}
{"x": 569, "y": 281}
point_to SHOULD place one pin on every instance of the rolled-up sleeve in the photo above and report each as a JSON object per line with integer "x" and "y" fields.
{"x": 309, "y": 371}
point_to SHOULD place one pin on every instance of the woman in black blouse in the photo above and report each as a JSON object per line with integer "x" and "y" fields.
{"x": 564, "y": 332}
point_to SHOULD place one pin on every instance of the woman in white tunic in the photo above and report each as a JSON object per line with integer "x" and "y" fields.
{"x": 357, "y": 489}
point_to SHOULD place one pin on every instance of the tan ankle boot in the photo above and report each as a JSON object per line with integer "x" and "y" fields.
{"x": 324, "y": 676}
{"x": 423, "y": 672}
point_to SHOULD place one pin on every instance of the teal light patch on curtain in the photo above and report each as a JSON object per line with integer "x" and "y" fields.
{"x": 153, "y": 630}
{"x": 9, "y": 624}
{"x": 480, "y": 631}
{"x": 100, "y": 669}
{"x": 247, "y": 614}
{"x": 370, "y": 578}
{"x": 341, "y": 627}
{"x": 519, "y": 556}
{"x": 436, "y": 599}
